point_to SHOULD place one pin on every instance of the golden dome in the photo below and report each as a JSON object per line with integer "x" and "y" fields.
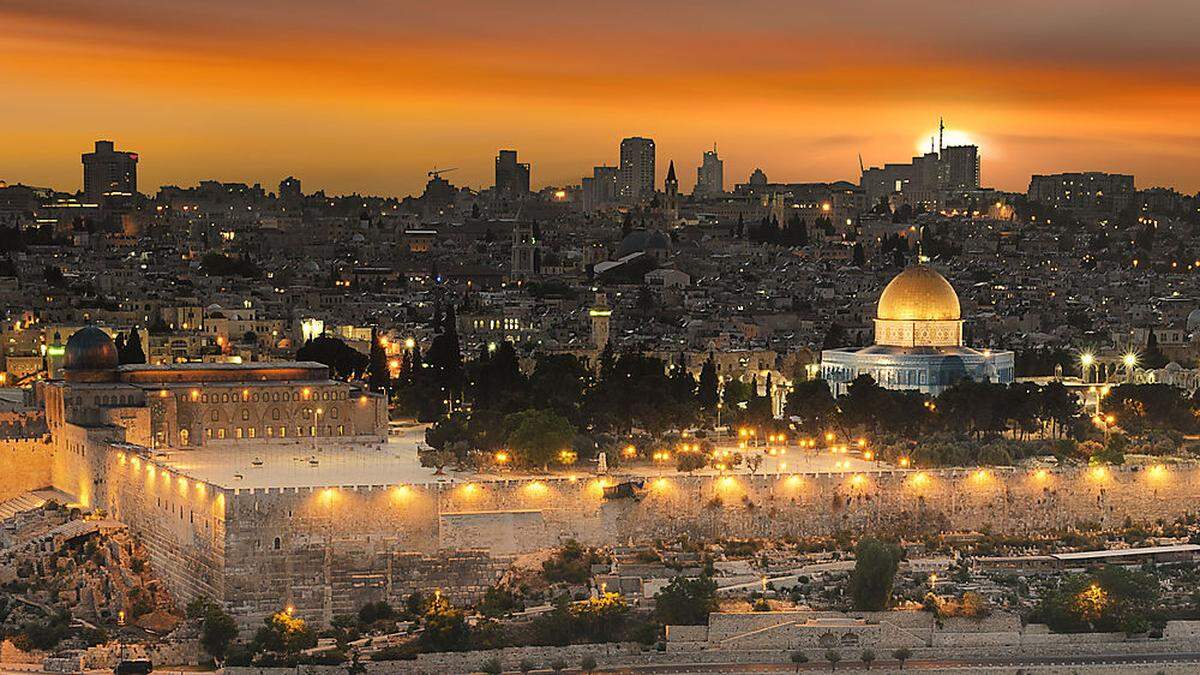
{"x": 919, "y": 294}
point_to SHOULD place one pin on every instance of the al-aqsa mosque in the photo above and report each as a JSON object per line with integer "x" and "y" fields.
{"x": 918, "y": 341}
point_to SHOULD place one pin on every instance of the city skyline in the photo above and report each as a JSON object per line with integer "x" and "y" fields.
{"x": 369, "y": 101}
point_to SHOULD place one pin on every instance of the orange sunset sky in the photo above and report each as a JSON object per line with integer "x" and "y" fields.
{"x": 367, "y": 95}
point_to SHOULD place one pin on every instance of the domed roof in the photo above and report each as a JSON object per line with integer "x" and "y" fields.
{"x": 1193, "y": 320}
{"x": 643, "y": 240}
{"x": 919, "y": 294}
{"x": 90, "y": 348}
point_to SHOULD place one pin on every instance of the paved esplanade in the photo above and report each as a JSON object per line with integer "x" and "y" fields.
{"x": 324, "y": 461}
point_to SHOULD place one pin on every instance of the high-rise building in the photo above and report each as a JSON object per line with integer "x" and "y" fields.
{"x": 600, "y": 189}
{"x": 710, "y": 175}
{"x": 960, "y": 168}
{"x": 636, "y": 181}
{"x": 107, "y": 171}
{"x": 289, "y": 189}
{"x": 1091, "y": 195}
{"x": 512, "y": 177}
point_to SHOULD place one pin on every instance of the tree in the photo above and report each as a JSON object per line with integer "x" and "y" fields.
{"x": 557, "y": 665}
{"x": 812, "y": 403}
{"x": 526, "y": 665}
{"x": 868, "y": 656}
{"x": 833, "y": 656}
{"x": 688, "y": 462}
{"x": 798, "y": 658}
{"x": 708, "y": 393}
{"x": 218, "y": 633}
{"x": 1109, "y": 599}
{"x": 588, "y": 663}
{"x": 284, "y": 634}
{"x": 446, "y": 627}
{"x": 902, "y": 654}
{"x": 492, "y": 666}
{"x": 539, "y": 435}
{"x": 344, "y": 361}
{"x": 132, "y": 351}
{"x": 686, "y": 602}
{"x": 875, "y": 565}
{"x": 378, "y": 376}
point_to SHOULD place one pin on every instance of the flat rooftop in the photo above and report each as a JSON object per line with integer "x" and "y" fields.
{"x": 307, "y": 462}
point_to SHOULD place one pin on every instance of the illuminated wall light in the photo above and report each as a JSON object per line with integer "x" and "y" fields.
{"x": 1099, "y": 473}
{"x": 661, "y": 484}
{"x": 537, "y": 488}
{"x": 402, "y": 492}
{"x": 1157, "y": 471}
{"x": 858, "y": 480}
{"x": 727, "y": 483}
{"x": 794, "y": 481}
{"x": 920, "y": 479}
{"x": 1041, "y": 474}
{"x": 470, "y": 489}
{"x": 980, "y": 476}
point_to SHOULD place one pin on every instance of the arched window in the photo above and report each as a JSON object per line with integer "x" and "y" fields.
{"x": 184, "y": 436}
{"x": 278, "y": 543}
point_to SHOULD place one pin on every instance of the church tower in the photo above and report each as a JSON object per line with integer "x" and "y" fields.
{"x": 671, "y": 189}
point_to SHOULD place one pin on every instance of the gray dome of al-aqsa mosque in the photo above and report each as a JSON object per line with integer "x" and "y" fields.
{"x": 89, "y": 354}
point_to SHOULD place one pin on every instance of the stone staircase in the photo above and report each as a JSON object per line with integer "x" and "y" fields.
{"x": 29, "y": 501}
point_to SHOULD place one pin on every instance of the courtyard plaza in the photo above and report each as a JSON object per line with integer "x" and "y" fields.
{"x": 306, "y": 462}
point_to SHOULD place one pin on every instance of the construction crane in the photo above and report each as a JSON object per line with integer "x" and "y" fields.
{"x": 437, "y": 173}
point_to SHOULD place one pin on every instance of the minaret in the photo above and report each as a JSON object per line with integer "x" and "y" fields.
{"x": 54, "y": 358}
{"x": 600, "y": 314}
{"x": 671, "y": 188}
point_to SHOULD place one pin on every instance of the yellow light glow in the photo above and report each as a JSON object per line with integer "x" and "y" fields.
{"x": 904, "y": 462}
{"x": 1041, "y": 474}
{"x": 501, "y": 457}
{"x": 857, "y": 480}
{"x": 1087, "y": 359}
{"x": 919, "y": 479}
{"x": 1099, "y": 472}
{"x": 1130, "y": 360}
{"x": 536, "y": 488}
{"x": 1157, "y": 471}
{"x": 981, "y": 475}
{"x": 661, "y": 484}
{"x": 402, "y": 492}
{"x": 793, "y": 481}
{"x": 469, "y": 489}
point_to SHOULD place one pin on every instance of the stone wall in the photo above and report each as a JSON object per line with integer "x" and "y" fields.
{"x": 24, "y": 465}
{"x": 180, "y": 521}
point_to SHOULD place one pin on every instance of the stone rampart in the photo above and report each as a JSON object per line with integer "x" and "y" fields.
{"x": 24, "y": 465}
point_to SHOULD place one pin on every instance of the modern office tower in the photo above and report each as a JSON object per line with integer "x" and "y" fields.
{"x": 960, "y": 168}
{"x": 289, "y": 189}
{"x": 1090, "y": 195}
{"x": 512, "y": 177}
{"x": 636, "y": 181}
{"x": 107, "y": 171}
{"x": 600, "y": 189}
{"x": 710, "y": 175}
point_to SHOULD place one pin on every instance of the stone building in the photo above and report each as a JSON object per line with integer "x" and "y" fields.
{"x": 918, "y": 342}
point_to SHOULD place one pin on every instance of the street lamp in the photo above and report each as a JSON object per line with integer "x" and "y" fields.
{"x": 1086, "y": 359}
{"x": 1130, "y": 360}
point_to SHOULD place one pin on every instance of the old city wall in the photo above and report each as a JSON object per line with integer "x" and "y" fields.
{"x": 326, "y": 550}
{"x": 180, "y": 521}
{"x": 24, "y": 465}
